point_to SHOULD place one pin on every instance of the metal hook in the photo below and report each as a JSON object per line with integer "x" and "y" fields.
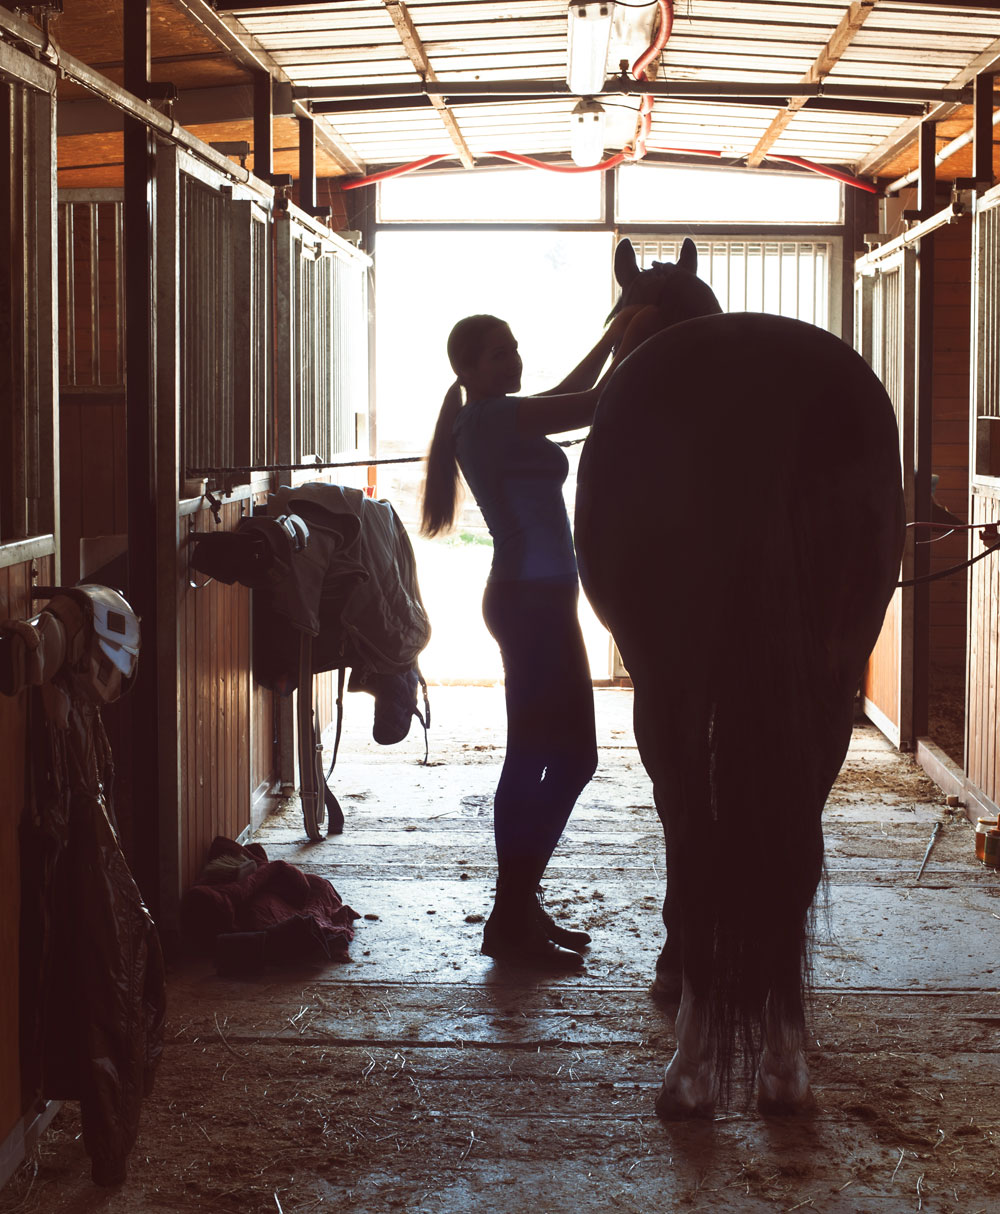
{"x": 191, "y": 539}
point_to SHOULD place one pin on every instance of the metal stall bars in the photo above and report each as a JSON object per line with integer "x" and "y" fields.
{"x": 786, "y": 277}
{"x": 91, "y": 299}
{"x": 321, "y": 346}
{"x": 28, "y": 489}
{"x": 91, "y": 379}
{"x": 321, "y": 388}
{"x": 885, "y": 335}
{"x": 982, "y": 741}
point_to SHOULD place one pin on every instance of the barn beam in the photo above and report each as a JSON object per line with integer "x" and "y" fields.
{"x": 627, "y": 87}
{"x": 825, "y": 62}
{"x": 235, "y": 103}
{"x": 414, "y": 47}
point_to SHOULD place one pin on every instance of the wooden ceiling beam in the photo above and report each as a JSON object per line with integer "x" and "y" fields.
{"x": 245, "y": 49}
{"x": 986, "y": 61}
{"x": 855, "y": 17}
{"x": 414, "y": 47}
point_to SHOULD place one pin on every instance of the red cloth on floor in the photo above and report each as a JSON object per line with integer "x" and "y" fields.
{"x": 300, "y": 910}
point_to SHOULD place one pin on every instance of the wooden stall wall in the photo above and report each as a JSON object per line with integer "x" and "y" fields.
{"x": 950, "y": 463}
{"x": 215, "y": 706}
{"x": 15, "y": 603}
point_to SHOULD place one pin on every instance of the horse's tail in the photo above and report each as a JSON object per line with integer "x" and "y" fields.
{"x": 774, "y": 727}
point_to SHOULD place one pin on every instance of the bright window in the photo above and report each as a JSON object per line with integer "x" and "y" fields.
{"x": 652, "y": 193}
{"x": 492, "y": 196}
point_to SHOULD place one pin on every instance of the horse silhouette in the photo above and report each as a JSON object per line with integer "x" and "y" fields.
{"x": 739, "y": 529}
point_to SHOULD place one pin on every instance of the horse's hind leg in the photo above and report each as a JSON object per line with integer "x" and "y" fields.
{"x": 783, "y": 1076}
{"x": 689, "y": 1080}
{"x": 783, "y": 1073}
{"x": 666, "y": 986}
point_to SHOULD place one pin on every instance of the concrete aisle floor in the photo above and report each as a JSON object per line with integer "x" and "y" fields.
{"x": 418, "y": 1076}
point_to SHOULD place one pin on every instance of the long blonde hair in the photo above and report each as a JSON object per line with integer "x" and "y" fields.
{"x": 440, "y": 498}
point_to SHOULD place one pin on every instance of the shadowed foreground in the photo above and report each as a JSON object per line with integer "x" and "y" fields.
{"x": 419, "y": 1077}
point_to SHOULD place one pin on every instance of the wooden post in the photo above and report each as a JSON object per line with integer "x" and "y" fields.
{"x": 263, "y": 111}
{"x": 982, "y": 130}
{"x": 140, "y": 413}
{"x": 307, "y": 165}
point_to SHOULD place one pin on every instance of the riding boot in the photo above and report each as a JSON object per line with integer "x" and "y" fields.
{"x": 565, "y": 936}
{"x": 515, "y": 931}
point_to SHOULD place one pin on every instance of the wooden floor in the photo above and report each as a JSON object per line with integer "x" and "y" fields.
{"x": 419, "y": 1077}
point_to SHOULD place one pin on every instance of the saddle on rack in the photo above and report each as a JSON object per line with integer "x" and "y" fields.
{"x": 335, "y": 586}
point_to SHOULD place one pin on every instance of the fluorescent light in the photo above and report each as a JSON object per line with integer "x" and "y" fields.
{"x": 587, "y": 54}
{"x": 586, "y": 134}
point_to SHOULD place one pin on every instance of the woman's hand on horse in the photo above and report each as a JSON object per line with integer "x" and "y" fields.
{"x": 642, "y": 323}
{"x": 619, "y": 323}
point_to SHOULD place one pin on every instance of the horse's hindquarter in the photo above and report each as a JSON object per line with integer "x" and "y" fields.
{"x": 727, "y": 449}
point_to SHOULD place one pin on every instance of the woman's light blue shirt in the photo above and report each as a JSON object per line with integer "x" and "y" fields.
{"x": 517, "y": 482}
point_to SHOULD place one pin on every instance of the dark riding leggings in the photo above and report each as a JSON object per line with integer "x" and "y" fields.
{"x": 551, "y": 739}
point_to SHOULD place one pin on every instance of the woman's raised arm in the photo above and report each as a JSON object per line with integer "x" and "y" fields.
{"x": 561, "y": 409}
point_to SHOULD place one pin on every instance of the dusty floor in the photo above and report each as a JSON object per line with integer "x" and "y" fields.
{"x": 418, "y": 1077}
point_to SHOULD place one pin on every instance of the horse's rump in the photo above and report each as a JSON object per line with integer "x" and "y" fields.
{"x": 744, "y": 576}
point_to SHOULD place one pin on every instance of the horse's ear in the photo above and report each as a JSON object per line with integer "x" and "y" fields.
{"x": 688, "y": 259}
{"x": 625, "y": 267}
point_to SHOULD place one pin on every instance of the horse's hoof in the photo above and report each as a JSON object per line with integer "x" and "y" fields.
{"x": 666, "y": 986}
{"x": 688, "y": 1090}
{"x": 671, "y": 1105}
{"x": 785, "y": 1094}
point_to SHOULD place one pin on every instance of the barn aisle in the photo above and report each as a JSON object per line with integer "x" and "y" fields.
{"x": 419, "y": 1077}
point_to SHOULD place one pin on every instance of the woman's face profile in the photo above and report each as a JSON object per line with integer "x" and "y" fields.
{"x": 497, "y": 370}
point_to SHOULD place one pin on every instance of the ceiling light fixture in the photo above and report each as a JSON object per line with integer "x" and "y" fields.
{"x": 588, "y": 38}
{"x": 586, "y": 133}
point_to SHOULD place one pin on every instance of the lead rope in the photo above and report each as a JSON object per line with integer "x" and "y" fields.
{"x": 989, "y": 534}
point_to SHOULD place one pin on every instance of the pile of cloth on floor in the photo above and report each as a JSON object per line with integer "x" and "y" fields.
{"x": 251, "y": 912}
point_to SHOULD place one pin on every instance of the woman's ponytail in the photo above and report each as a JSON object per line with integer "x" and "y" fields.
{"x": 465, "y": 344}
{"x": 441, "y": 481}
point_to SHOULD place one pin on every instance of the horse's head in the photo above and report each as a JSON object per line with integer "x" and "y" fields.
{"x": 673, "y": 288}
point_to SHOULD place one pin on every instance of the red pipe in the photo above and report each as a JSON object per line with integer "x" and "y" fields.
{"x": 658, "y": 43}
{"x": 687, "y": 151}
{"x": 397, "y": 171}
{"x": 826, "y": 171}
{"x": 603, "y": 167}
{"x": 639, "y": 73}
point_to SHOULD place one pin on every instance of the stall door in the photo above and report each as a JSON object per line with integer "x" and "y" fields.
{"x": 885, "y": 334}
